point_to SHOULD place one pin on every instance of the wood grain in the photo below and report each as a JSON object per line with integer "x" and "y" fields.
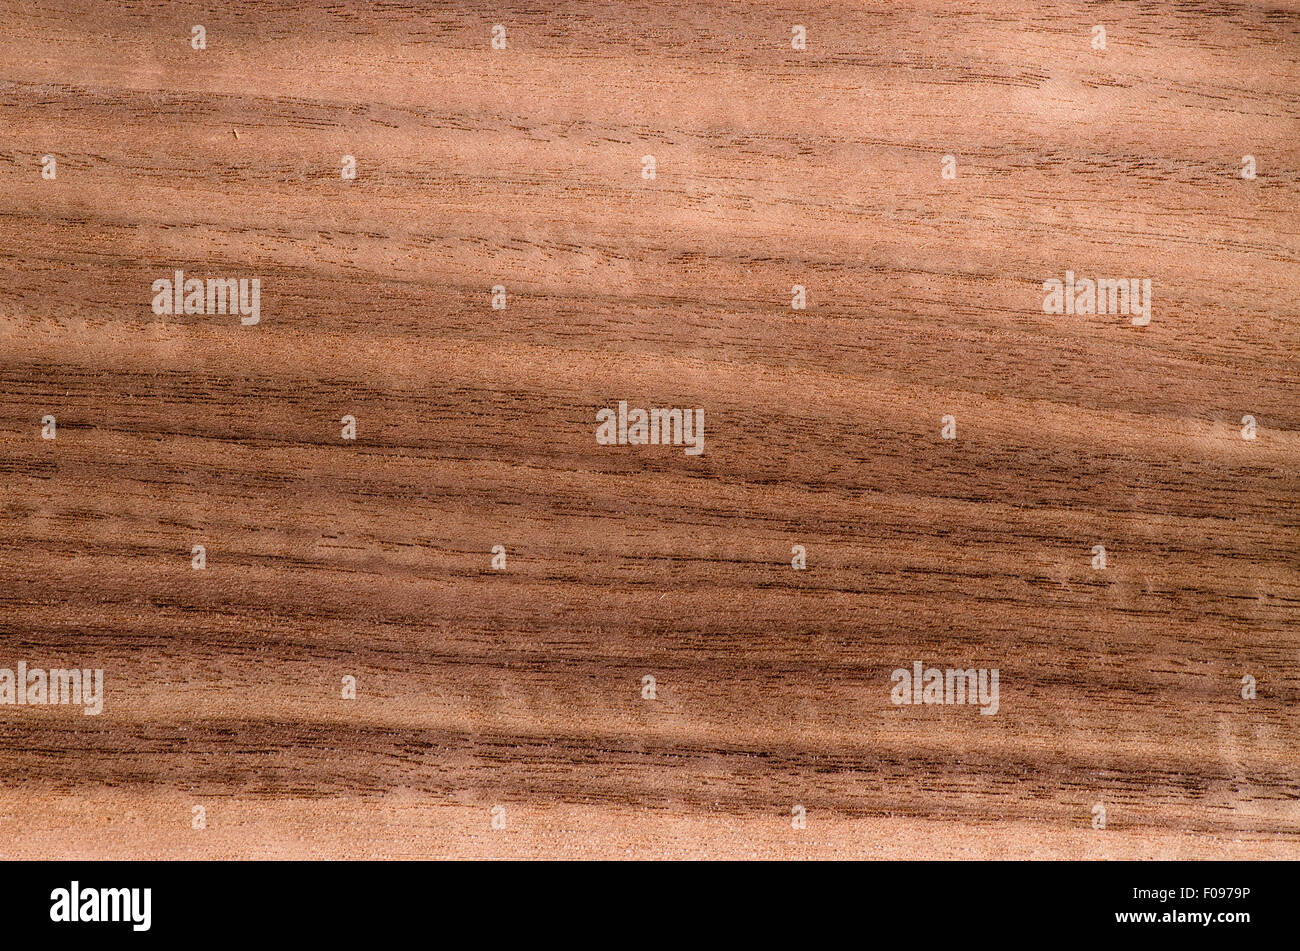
{"x": 775, "y": 167}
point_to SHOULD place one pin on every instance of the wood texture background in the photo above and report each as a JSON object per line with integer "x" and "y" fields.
{"x": 476, "y": 428}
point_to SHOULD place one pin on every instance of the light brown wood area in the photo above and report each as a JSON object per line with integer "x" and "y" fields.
{"x": 1123, "y": 687}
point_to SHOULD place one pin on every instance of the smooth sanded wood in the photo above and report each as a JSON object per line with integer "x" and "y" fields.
{"x": 522, "y": 688}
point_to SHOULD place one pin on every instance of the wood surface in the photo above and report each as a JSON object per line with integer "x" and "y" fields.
{"x": 522, "y": 687}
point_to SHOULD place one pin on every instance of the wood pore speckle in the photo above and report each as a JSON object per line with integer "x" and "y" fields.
{"x": 523, "y": 688}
